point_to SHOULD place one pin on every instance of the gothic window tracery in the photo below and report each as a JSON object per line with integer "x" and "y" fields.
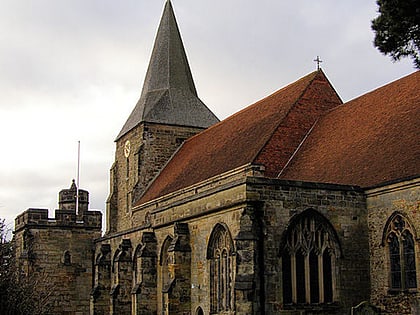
{"x": 309, "y": 252}
{"x": 220, "y": 254}
{"x": 401, "y": 251}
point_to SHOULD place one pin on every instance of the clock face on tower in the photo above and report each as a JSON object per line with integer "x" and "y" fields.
{"x": 127, "y": 148}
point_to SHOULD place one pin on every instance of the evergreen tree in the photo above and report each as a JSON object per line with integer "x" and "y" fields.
{"x": 397, "y": 29}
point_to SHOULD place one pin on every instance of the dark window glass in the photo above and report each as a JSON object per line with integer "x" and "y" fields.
{"x": 314, "y": 281}
{"x": 394, "y": 254}
{"x": 409, "y": 261}
{"x": 327, "y": 272}
{"x": 300, "y": 278}
{"x": 287, "y": 280}
{"x": 67, "y": 258}
{"x": 310, "y": 245}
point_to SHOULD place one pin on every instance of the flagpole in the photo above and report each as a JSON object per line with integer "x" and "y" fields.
{"x": 78, "y": 177}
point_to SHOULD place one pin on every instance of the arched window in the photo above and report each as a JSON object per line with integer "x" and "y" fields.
{"x": 400, "y": 242}
{"x": 138, "y": 276}
{"x": 199, "y": 311}
{"x": 166, "y": 276}
{"x": 67, "y": 258}
{"x": 220, "y": 254}
{"x": 115, "y": 268}
{"x": 309, "y": 250}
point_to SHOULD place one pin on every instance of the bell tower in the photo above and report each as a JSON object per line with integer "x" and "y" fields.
{"x": 168, "y": 112}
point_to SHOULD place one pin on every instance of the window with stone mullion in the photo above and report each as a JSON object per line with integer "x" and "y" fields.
{"x": 409, "y": 261}
{"x": 314, "y": 277}
{"x": 311, "y": 281}
{"x": 219, "y": 254}
{"x": 401, "y": 251}
{"x": 327, "y": 277}
{"x": 395, "y": 258}
{"x": 307, "y": 262}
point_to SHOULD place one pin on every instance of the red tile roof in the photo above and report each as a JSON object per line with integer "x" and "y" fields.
{"x": 267, "y": 132}
{"x": 367, "y": 141}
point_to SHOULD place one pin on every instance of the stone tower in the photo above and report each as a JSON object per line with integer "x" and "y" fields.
{"x": 168, "y": 112}
{"x": 57, "y": 252}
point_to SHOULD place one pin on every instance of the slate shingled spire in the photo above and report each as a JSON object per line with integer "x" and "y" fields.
{"x": 169, "y": 95}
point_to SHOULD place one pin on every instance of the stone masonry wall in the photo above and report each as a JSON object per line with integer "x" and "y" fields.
{"x": 201, "y": 215}
{"x": 59, "y": 253}
{"x": 382, "y": 202}
{"x": 151, "y": 146}
{"x": 256, "y": 211}
{"x": 343, "y": 206}
{"x": 198, "y": 271}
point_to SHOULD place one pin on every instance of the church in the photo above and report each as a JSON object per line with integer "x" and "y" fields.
{"x": 297, "y": 204}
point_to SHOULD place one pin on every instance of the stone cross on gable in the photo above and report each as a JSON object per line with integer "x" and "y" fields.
{"x": 318, "y": 61}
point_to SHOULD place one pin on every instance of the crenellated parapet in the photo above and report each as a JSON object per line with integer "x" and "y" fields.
{"x": 62, "y": 219}
{"x": 56, "y": 250}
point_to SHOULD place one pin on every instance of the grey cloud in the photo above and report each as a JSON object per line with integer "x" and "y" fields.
{"x": 72, "y": 70}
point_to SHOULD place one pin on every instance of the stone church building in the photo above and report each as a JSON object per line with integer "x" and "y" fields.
{"x": 298, "y": 204}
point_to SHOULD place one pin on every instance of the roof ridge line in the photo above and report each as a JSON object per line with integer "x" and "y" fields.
{"x": 346, "y": 103}
{"x": 255, "y": 104}
{"x": 270, "y": 95}
{"x": 372, "y": 90}
{"x": 287, "y": 114}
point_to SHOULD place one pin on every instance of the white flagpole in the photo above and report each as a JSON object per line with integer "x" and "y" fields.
{"x": 78, "y": 177}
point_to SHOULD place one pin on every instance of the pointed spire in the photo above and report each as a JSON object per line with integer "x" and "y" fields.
{"x": 169, "y": 95}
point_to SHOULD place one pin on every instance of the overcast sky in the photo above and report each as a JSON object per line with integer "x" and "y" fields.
{"x": 73, "y": 70}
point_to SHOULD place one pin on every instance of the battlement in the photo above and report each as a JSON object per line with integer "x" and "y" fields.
{"x": 62, "y": 219}
{"x": 57, "y": 249}
{"x": 66, "y": 216}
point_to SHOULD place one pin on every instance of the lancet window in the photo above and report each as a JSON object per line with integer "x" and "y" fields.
{"x": 220, "y": 255}
{"x": 136, "y": 265}
{"x": 309, "y": 252}
{"x": 401, "y": 251}
{"x": 166, "y": 275}
{"x": 115, "y": 274}
{"x": 67, "y": 258}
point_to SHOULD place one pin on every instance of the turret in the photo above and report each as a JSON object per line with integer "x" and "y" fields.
{"x": 67, "y": 199}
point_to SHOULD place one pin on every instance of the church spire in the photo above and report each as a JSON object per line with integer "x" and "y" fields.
{"x": 169, "y": 95}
